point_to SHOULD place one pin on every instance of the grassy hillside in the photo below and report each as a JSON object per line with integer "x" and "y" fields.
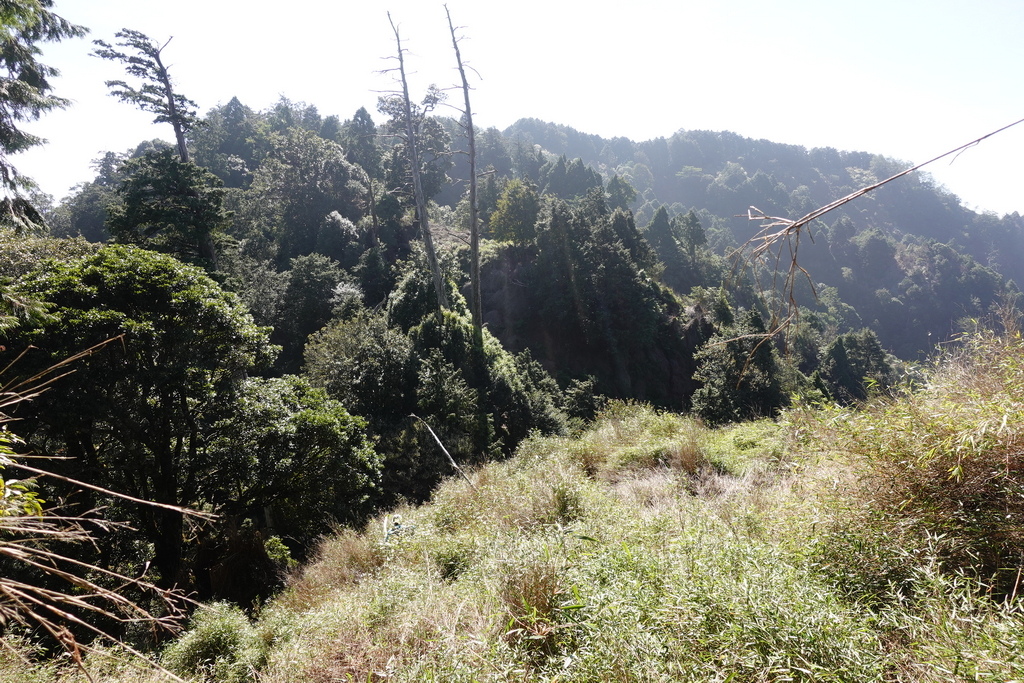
{"x": 883, "y": 544}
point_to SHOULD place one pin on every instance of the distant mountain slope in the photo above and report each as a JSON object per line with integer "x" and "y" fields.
{"x": 908, "y": 260}
{"x": 724, "y": 173}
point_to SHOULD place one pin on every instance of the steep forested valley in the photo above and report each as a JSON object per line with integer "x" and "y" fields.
{"x": 277, "y": 332}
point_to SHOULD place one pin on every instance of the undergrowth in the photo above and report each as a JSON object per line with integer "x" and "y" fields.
{"x": 934, "y": 473}
{"x": 873, "y": 544}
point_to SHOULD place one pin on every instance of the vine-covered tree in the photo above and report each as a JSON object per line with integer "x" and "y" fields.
{"x": 409, "y": 120}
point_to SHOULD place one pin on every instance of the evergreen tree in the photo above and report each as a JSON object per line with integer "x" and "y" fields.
{"x": 853, "y": 363}
{"x": 620, "y": 193}
{"x": 515, "y": 217}
{"x": 26, "y": 93}
{"x": 661, "y": 235}
{"x": 156, "y": 94}
{"x": 169, "y": 205}
{"x": 691, "y": 233}
{"x": 232, "y": 142}
{"x": 740, "y": 374}
{"x": 303, "y": 181}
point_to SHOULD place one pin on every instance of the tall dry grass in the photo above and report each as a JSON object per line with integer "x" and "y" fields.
{"x": 939, "y": 470}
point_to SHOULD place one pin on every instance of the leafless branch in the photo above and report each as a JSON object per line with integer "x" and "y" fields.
{"x": 777, "y": 243}
{"x": 25, "y": 539}
{"x": 99, "y": 489}
{"x": 451, "y": 460}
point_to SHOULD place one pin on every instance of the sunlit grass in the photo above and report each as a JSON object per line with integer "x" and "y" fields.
{"x": 826, "y": 546}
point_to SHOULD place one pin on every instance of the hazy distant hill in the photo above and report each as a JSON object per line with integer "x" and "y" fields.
{"x": 725, "y": 172}
{"x": 909, "y": 256}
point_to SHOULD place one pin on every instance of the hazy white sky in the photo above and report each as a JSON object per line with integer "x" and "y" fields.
{"x": 909, "y": 79}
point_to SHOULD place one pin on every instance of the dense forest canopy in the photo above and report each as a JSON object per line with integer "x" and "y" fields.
{"x": 292, "y": 353}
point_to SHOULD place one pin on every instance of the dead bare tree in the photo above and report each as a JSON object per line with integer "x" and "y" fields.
{"x": 412, "y": 152}
{"x": 475, "y": 305}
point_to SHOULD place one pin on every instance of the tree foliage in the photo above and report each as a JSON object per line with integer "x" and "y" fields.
{"x": 739, "y": 374}
{"x": 171, "y": 206}
{"x": 231, "y": 142}
{"x": 303, "y": 181}
{"x": 137, "y": 416}
{"x": 293, "y": 459}
{"x": 306, "y": 305}
{"x": 26, "y": 92}
{"x": 854, "y": 363}
{"x": 156, "y": 94}
{"x": 620, "y": 193}
{"x": 516, "y": 214}
{"x": 43, "y": 586}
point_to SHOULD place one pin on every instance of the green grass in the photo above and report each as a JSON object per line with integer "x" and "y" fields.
{"x": 831, "y": 545}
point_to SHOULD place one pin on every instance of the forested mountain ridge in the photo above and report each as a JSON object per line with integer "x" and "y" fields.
{"x": 909, "y": 257}
{"x": 298, "y": 236}
{"x": 717, "y": 169}
{"x": 907, "y": 260}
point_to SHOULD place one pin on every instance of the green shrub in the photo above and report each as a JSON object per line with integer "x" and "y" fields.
{"x": 945, "y": 466}
{"x": 221, "y": 646}
{"x": 453, "y": 557}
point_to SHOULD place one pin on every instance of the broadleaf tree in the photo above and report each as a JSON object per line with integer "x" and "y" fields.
{"x": 137, "y": 416}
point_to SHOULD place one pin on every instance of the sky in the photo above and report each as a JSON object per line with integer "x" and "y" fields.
{"x": 907, "y": 79}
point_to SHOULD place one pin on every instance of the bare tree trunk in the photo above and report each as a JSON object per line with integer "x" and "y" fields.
{"x": 172, "y": 108}
{"x": 474, "y": 218}
{"x": 414, "y": 162}
{"x": 375, "y": 232}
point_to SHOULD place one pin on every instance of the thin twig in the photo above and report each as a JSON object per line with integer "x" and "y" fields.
{"x": 174, "y": 508}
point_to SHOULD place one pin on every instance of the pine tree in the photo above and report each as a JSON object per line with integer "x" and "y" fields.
{"x": 25, "y": 94}
{"x": 156, "y": 94}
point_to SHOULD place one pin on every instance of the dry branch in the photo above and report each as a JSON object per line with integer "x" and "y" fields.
{"x": 26, "y": 536}
{"x": 451, "y": 460}
{"x": 778, "y": 240}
